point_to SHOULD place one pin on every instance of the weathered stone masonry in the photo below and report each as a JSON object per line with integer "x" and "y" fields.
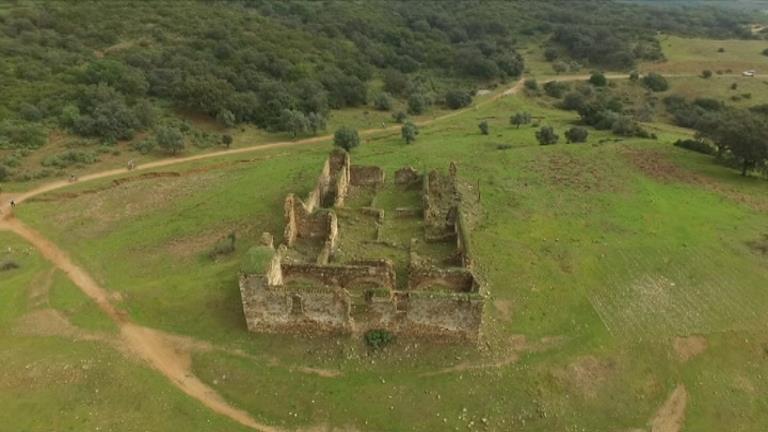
{"x": 319, "y": 294}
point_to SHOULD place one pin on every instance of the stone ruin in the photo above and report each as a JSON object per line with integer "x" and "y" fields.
{"x": 360, "y": 253}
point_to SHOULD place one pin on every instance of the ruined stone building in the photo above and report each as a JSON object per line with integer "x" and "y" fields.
{"x": 361, "y": 253}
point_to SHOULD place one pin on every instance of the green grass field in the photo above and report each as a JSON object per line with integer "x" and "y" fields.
{"x": 598, "y": 256}
{"x": 686, "y": 55}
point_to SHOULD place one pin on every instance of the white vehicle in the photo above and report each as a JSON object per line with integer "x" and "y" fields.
{"x": 749, "y": 73}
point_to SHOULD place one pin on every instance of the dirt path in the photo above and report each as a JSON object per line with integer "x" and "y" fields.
{"x": 671, "y": 415}
{"x": 148, "y": 344}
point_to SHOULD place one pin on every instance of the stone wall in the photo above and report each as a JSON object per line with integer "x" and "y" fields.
{"x": 407, "y": 176}
{"x": 444, "y": 315}
{"x": 363, "y": 175}
{"x": 449, "y": 280}
{"x": 356, "y": 276}
{"x": 300, "y": 223}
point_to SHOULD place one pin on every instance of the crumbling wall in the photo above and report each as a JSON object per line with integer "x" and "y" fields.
{"x": 442, "y": 314}
{"x": 365, "y": 273}
{"x": 440, "y": 198}
{"x": 338, "y": 171}
{"x": 407, "y": 176}
{"x": 363, "y": 175}
{"x": 463, "y": 246}
{"x": 301, "y": 223}
{"x": 450, "y": 280}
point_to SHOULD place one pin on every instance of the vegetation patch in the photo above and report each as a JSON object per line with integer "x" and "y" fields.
{"x": 377, "y": 339}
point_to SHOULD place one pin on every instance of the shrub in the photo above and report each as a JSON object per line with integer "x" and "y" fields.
{"x": 456, "y": 99}
{"x": 573, "y": 101}
{"x": 382, "y": 102}
{"x": 409, "y": 131}
{"x": 655, "y": 82}
{"x": 531, "y": 84}
{"x": 695, "y": 145}
{"x": 169, "y": 139}
{"x": 555, "y": 89}
{"x": 576, "y": 135}
{"x": 503, "y": 146}
{"x": 547, "y": 136}
{"x": 706, "y": 73}
{"x": 765, "y": 52}
{"x": 69, "y": 158}
{"x": 598, "y": 79}
{"x": 520, "y": 119}
{"x": 417, "y": 104}
{"x": 144, "y": 146}
{"x": 8, "y": 264}
{"x": 224, "y": 246}
{"x": 378, "y": 338}
{"x": 346, "y": 138}
{"x": 399, "y": 116}
{"x": 634, "y": 76}
{"x": 16, "y": 134}
{"x": 484, "y": 128}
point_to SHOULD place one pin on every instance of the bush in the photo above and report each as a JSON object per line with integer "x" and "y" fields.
{"x": 144, "y": 146}
{"x": 765, "y": 52}
{"x": 69, "y": 158}
{"x": 573, "y": 101}
{"x": 417, "y": 104}
{"x": 346, "y": 138}
{"x": 576, "y": 135}
{"x": 598, "y": 79}
{"x": 224, "y": 246}
{"x": 484, "y": 128}
{"x": 520, "y": 119}
{"x": 399, "y": 117}
{"x": 547, "y": 136}
{"x": 4, "y": 173}
{"x": 456, "y": 99}
{"x": 696, "y": 145}
{"x": 16, "y": 134}
{"x": 378, "y": 338}
{"x": 555, "y": 89}
{"x": 655, "y": 82}
{"x": 8, "y": 264}
{"x": 170, "y": 139}
{"x": 706, "y": 73}
{"x": 382, "y": 102}
{"x": 531, "y": 84}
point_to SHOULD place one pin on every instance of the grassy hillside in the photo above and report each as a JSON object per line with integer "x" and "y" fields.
{"x": 619, "y": 269}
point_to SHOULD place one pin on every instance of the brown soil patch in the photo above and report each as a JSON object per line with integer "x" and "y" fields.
{"x": 656, "y": 165}
{"x": 671, "y": 415}
{"x": 760, "y": 246}
{"x": 565, "y": 170}
{"x": 587, "y": 374}
{"x": 689, "y": 347}
{"x": 505, "y": 308}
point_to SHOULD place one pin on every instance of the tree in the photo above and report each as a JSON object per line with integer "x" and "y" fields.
{"x": 409, "y": 131}
{"x": 169, "y": 139}
{"x": 559, "y": 67}
{"x": 399, "y": 117}
{"x": 598, "y": 79}
{"x": 226, "y": 139}
{"x": 417, "y": 104}
{"x": 551, "y": 54}
{"x": 520, "y": 118}
{"x": 576, "y": 135}
{"x": 547, "y": 136}
{"x": 396, "y": 82}
{"x": 655, "y": 82}
{"x": 555, "y": 89}
{"x": 573, "y": 101}
{"x": 484, "y": 128}
{"x": 531, "y": 84}
{"x": 294, "y": 122}
{"x": 346, "y": 138}
{"x": 383, "y": 102}
{"x": 706, "y": 73}
{"x": 226, "y": 118}
{"x": 743, "y": 133}
{"x": 456, "y": 99}
{"x": 317, "y": 122}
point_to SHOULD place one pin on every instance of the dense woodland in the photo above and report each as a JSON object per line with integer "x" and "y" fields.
{"x": 110, "y": 72}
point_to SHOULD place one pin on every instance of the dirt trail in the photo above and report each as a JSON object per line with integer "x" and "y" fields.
{"x": 153, "y": 347}
{"x": 671, "y": 415}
